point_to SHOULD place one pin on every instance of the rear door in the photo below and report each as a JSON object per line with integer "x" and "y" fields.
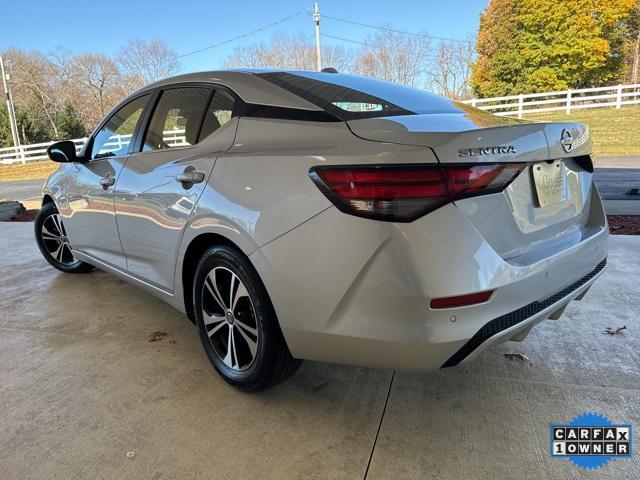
{"x": 161, "y": 183}
{"x": 91, "y": 224}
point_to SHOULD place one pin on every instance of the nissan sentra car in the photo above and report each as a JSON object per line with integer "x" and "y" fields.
{"x": 317, "y": 215}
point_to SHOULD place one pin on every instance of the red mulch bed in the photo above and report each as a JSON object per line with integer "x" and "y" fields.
{"x": 28, "y": 216}
{"x": 624, "y": 224}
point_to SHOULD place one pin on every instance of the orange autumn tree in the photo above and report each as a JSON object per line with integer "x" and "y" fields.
{"x": 543, "y": 45}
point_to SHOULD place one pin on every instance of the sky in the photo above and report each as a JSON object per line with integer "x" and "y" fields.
{"x": 102, "y": 27}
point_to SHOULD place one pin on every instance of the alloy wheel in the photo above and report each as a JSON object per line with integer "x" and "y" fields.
{"x": 229, "y": 319}
{"x": 56, "y": 241}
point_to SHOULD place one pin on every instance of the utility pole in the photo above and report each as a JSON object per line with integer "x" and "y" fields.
{"x": 316, "y": 20}
{"x": 10, "y": 110}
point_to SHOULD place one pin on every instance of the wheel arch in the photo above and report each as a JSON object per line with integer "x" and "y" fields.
{"x": 197, "y": 246}
{"x": 47, "y": 199}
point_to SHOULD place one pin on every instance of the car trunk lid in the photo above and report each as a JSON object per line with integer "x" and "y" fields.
{"x": 546, "y": 206}
{"x": 476, "y": 136}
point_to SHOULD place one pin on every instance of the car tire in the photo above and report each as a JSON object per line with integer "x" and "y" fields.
{"x": 232, "y": 308}
{"x": 53, "y": 243}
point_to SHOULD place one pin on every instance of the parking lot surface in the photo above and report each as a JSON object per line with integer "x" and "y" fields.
{"x": 101, "y": 380}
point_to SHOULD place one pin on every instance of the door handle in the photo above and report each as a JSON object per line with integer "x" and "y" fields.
{"x": 107, "y": 181}
{"x": 190, "y": 177}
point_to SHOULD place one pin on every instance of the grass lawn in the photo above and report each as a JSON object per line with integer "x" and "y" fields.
{"x": 28, "y": 171}
{"x": 613, "y": 132}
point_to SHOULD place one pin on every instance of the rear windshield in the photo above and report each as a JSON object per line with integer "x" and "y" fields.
{"x": 351, "y": 97}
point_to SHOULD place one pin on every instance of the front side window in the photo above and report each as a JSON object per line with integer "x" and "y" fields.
{"x": 113, "y": 139}
{"x": 177, "y": 118}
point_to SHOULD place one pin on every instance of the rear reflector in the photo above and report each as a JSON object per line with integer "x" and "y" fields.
{"x": 461, "y": 300}
{"x": 404, "y": 193}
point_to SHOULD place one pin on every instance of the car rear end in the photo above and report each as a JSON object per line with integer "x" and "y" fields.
{"x": 422, "y": 265}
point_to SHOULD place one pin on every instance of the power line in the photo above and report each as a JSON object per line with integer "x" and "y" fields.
{"x": 244, "y": 35}
{"x": 305, "y": 11}
{"x": 346, "y": 40}
{"x": 397, "y": 31}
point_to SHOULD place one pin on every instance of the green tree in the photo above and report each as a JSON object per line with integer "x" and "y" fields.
{"x": 28, "y": 131}
{"x": 5, "y": 129}
{"x": 69, "y": 124}
{"x": 542, "y": 45}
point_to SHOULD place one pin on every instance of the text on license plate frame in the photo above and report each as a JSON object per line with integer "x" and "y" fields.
{"x": 550, "y": 180}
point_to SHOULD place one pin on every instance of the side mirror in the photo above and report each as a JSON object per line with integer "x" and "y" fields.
{"x": 63, "y": 152}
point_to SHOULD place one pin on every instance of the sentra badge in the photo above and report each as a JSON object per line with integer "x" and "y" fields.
{"x": 479, "y": 151}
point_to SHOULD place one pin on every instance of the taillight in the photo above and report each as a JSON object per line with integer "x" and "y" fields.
{"x": 472, "y": 180}
{"x": 404, "y": 193}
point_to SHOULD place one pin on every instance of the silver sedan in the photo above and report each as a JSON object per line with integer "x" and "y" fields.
{"x": 316, "y": 215}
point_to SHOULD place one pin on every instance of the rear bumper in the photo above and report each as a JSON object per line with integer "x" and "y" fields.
{"x": 356, "y": 291}
{"x": 510, "y": 325}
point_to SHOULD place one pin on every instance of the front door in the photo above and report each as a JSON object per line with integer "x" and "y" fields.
{"x": 160, "y": 185}
{"x": 90, "y": 217}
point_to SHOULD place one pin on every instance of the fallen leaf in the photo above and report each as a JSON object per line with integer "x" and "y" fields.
{"x": 615, "y": 331}
{"x": 516, "y": 356}
{"x": 157, "y": 336}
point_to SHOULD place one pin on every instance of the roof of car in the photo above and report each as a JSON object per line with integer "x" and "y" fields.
{"x": 250, "y": 87}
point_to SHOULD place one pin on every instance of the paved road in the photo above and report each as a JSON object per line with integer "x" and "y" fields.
{"x": 21, "y": 190}
{"x": 618, "y": 162}
{"x": 82, "y": 386}
{"x": 614, "y": 183}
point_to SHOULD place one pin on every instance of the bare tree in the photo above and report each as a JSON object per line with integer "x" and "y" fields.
{"x": 449, "y": 73}
{"x": 251, "y": 56}
{"x": 147, "y": 62}
{"x": 287, "y": 51}
{"x": 336, "y": 57}
{"x": 98, "y": 85}
{"x": 395, "y": 57}
{"x": 38, "y": 83}
{"x": 46, "y": 86}
{"x": 633, "y": 45}
{"x": 635, "y": 61}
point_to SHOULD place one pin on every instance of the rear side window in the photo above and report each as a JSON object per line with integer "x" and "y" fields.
{"x": 177, "y": 118}
{"x": 219, "y": 112}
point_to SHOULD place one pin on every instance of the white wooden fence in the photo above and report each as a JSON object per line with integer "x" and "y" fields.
{"x": 38, "y": 151}
{"x": 515, "y": 105}
{"x": 566, "y": 100}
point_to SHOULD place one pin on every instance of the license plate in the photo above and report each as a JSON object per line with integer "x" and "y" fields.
{"x": 550, "y": 180}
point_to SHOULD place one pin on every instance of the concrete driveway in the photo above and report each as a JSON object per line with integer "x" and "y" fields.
{"x": 81, "y": 385}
